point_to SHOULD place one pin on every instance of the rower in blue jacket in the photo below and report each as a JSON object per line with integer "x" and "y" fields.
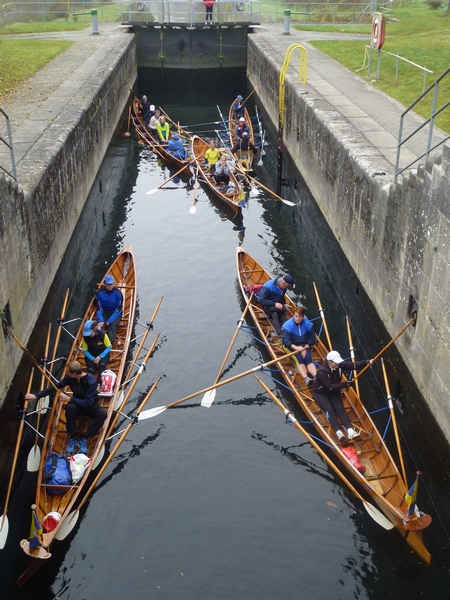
{"x": 271, "y": 297}
{"x": 298, "y": 335}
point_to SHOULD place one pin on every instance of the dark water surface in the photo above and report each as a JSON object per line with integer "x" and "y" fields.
{"x": 228, "y": 502}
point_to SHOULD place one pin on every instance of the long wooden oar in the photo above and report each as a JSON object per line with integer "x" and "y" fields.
{"x": 373, "y": 512}
{"x": 127, "y": 133}
{"x": 352, "y": 354}
{"x": 133, "y": 385}
{"x": 251, "y": 93}
{"x": 239, "y": 325}
{"x": 150, "y": 192}
{"x": 193, "y": 209}
{"x": 71, "y": 520}
{"x": 394, "y": 422}
{"x": 33, "y": 360}
{"x": 396, "y": 336}
{"x": 322, "y": 314}
{"x": 261, "y": 185}
{"x": 153, "y": 412}
{"x": 34, "y": 456}
{"x": 4, "y": 524}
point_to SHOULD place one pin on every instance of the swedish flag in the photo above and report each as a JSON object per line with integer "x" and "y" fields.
{"x": 411, "y": 497}
{"x": 35, "y": 531}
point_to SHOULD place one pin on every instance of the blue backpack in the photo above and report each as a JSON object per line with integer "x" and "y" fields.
{"x": 57, "y": 472}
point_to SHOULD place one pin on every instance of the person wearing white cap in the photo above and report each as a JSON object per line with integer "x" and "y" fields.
{"x": 110, "y": 301}
{"x": 241, "y": 128}
{"x": 272, "y": 299}
{"x": 327, "y": 392}
{"x": 238, "y": 107}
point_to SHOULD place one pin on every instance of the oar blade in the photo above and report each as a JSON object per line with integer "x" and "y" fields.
{"x": 4, "y": 530}
{"x": 99, "y": 457}
{"x": 208, "y": 398}
{"x": 193, "y": 210}
{"x": 260, "y": 163}
{"x": 67, "y": 525}
{"x": 150, "y": 192}
{"x": 119, "y": 400}
{"x": 34, "y": 458}
{"x": 287, "y": 202}
{"x": 378, "y": 516}
{"x": 151, "y": 412}
{"x": 44, "y": 403}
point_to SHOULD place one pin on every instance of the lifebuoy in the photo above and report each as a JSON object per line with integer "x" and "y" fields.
{"x": 240, "y": 6}
{"x": 378, "y": 30}
{"x": 140, "y": 6}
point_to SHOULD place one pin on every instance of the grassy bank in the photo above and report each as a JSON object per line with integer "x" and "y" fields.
{"x": 21, "y": 59}
{"x": 416, "y": 32}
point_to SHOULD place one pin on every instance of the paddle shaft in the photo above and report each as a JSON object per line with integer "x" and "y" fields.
{"x": 40, "y": 401}
{"x": 16, "y": 450}
{"x": 132, "y": 386}
{"x": 119, "y": 443}
{"x": 173, "y": 176}
{"x": 311, "y": 440}
{"x": 33, "y": 360}
{"x": 241, "y": 320}
{"x": 322, "y": 314}
{"x": 352, "y": 352}
{"x": 394, "y": 421}
{"x": 234, "y": 378}
{"x": 386, "y": 347}
{"x": 251, "y": 93}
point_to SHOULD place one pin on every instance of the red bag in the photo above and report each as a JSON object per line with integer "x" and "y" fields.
{"x": 351, "y": 455}
{"x": 108, "y": 382}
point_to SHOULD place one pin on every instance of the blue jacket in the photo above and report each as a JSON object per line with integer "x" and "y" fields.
{"x": 96, "y": 345}
{"x": 238, "y": 107}
{"x": 84, "y": 390}
{"x": 110, "y": 303}
{"x": 298, "y": 335}
{"x": 270, "y": 294}
{"x": 176, "y": 148}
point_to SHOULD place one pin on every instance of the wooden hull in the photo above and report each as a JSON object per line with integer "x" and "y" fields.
{"x": 56, "y": 438}
{"x": 145, "y": 136}
{"x": 234, "y": 201}
{"x": 244, "y": 158}
{"x": 382, "y": 480}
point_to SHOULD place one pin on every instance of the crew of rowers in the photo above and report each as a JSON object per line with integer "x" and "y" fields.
{"x": 160, "y": 128}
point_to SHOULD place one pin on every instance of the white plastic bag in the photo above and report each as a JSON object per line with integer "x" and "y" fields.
{"x": 108, "y": 383}
{"x": 78, "y": 465}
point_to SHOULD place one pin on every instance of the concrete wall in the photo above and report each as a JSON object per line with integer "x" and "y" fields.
{"x": 396, "y": 237}
{"x": 38, "y": 217}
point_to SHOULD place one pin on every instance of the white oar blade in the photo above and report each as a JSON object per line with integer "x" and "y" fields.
{"x": 378, "y": 516}
{"x": 67, "y": 525}
{"x": 151, "y": 412}
{"x": 208, "y": 398}
{"x": 44, "y": 403}
{"x": 34, "y": 458}
{"x": 4, "y": 529}
{"x": 150, "y": 192}
{"x": 99, "y": 458}
{"x": 119, "y": 400}
{"x": 193, "y": 210}
{"x": 259, "y": 163}
{"x": 288, "y": 202}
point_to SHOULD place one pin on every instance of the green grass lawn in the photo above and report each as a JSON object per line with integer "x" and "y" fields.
{"x": 20, "y": 60}
{"x": 417, "y": 33}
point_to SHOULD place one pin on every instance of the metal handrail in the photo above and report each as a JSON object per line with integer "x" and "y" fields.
{"x": 9, "y": 144}
{"x": 434, "y": 113}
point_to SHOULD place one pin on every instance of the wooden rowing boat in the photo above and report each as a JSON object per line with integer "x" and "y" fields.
{"x": 56, "y": 438}
{"x": 382, "y": 480}
{"x": 243, "y": 157}
{"x": 235, "y": 199}
{"x": 147, "y": 137}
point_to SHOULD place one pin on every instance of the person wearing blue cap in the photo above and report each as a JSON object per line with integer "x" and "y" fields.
{"x": 110, "y": 301}
{"x": 238, "y": 107}
{"x": 272, "y": 299}
{"x": 176, "y": 148}
{"x": 96, "y": 348}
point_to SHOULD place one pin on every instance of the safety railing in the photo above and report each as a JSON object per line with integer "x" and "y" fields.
{"x": 188, "y": 12}
{"x": 7, "y": 143}
{"x": 435, "y": 111}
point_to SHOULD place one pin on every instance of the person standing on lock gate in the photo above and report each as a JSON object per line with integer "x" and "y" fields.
{"x": 209, "y": 5}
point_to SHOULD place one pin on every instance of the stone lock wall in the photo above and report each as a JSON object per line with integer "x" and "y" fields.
{"x": 396, "y": 237}
{"x": 39, "y": 214}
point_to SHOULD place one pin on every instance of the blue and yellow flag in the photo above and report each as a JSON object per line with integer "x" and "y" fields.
{"x": 35, "y": 532}
{"x": 411, "y": 497}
